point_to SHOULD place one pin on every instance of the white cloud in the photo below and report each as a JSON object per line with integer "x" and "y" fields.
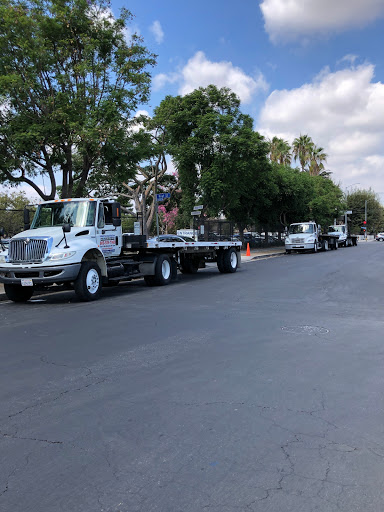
{"x": 292, "y": 19}
{"x": 157, "y": 31}
{"x": 342, "y": 112}
{"x": 201, "y": 72}
{"x": 160, "y": 80}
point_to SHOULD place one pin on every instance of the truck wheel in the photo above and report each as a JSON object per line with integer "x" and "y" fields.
{"x": 230, "y": 260}
{"x": 163, "y": 270}
{"x": 325, "y": 247}
{"x": 88, "y": 282}
{"x": 189, "y": 266}
{"x": 288, "y": 251}
{"x": 220, "y": 261}
{"x": 336, "y": 245}
{"x": 314, "y": 247}
{"x": 18, "y": 293}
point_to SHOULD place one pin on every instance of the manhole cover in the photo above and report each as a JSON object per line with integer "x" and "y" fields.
{"x": 306, "y": 329}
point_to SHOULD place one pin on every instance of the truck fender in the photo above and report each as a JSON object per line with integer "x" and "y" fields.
{"x": 98, "y": 257}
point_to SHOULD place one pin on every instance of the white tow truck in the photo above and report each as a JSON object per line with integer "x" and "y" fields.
{"x": 79, "y": 243}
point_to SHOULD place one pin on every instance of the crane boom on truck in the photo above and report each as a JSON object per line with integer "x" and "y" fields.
{"x": 80, "y": 242}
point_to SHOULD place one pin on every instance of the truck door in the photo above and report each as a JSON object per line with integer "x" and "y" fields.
{"x": 107, "y": 235}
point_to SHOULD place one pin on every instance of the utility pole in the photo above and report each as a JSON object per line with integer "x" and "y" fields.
{"x": 365, "y": 218}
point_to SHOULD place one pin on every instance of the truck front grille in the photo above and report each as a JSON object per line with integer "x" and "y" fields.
{"x": 27, "y": 249}
{"x": 297, "y": 240}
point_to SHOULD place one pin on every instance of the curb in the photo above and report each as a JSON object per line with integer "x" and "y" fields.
{"x": 271, "y": 255}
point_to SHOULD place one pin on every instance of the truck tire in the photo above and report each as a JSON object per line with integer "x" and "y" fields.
{"x": 314, "y": 247}
{"x": 189, "y": 265}
{"x": 288, "y": 251}
{"x": 230, "y": 260}
{"x": 88, "y": 283}
{"x": 163, "y": 271}
{"x": 336, "y": 245}
{"x": 220, "y": 261}
{"x": 325, "y": 245}
{"x": 18, "y": 293}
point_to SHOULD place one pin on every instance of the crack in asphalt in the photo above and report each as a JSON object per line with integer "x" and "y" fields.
{"x": 45, "y": 360}
{"x": 45, "y": 402}
{"x": 14, "y": 436}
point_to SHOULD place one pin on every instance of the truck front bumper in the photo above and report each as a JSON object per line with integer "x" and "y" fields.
{"x": 300, "y": 247}
{"x": 39, "y": 275}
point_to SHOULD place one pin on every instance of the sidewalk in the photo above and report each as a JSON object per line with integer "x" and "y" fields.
{"x": 255, "y": 254}
{"x": 265, "y": 252}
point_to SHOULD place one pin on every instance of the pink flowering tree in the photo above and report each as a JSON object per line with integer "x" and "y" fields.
{"x": 167, "y": 218}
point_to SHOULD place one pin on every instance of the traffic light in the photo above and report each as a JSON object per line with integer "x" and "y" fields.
{"x": 364, "y": 222}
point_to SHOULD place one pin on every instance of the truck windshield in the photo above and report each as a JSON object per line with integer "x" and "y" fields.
{"x": 336, "y": 229}
{"x": 75, "y": 213}
{"x": 300, "y": 228}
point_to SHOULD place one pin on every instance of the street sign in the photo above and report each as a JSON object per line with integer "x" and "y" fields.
{"x": 196, "y": 213}
{"x": 137, "y": 228}
{"x": 162, "y": 196}
{"x": 200, "y": 207}
{"x": 185, "y": 232}
{"x": 349, "y": 212}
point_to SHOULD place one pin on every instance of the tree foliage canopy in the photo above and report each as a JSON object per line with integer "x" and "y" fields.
{"x": 375, "y": 212}
{"x": 69, "y": 82}
{"x": 219, "y": 158}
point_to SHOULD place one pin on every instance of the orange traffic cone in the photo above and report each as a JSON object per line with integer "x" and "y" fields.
{"x": 248, "y": 250}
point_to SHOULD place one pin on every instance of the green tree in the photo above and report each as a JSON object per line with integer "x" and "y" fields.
{"x": 302, "y": 150}
{"x": 280, "y": 151}
{"x": 12, "y": 205}
{"x": 327, "y": 201}
{"x": 219, "y": 158}
{"x": 69, "y": 82}
{"x": 375, "y": 214}
{"x": 317, "y": 159}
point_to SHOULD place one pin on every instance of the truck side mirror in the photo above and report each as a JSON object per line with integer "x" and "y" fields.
{"x": 116, "y": 215}
{"x": 66, "y": 228}
{"x": 27, "y": 220}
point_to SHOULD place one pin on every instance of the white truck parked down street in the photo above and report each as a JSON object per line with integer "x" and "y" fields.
{"x": 79, "y": 242}
{"x": 345, "y": 239}
{"x": 307, "y": 236}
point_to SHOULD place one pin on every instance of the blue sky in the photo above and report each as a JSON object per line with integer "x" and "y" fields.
{"x": 300, "y": 66}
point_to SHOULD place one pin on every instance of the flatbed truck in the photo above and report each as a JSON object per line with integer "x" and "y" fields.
{"x": 345, "y": 238}
{"x": 79, "y": 243}
{"x": 307, "y": 236}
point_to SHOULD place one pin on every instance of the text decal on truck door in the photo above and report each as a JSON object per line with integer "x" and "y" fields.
{"x": 107, "y": 244}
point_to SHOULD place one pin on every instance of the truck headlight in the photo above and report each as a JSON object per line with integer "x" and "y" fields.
{"x": 61, "y": 255}
{"x": 311, "y": 239}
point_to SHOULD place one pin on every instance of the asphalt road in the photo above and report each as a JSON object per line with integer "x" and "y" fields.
{"x": 257, "y": 391}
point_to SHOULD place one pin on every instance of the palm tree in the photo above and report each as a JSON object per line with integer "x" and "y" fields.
{"x": 302, "y": 150}
{"x": 317, "y": 157}
{"x": 280, "y": 151}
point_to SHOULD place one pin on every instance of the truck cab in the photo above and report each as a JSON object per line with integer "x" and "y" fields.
{"x": 341, "y": 231}
{"x": 302, "y": 236}
{"x": 64, "y": 234}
